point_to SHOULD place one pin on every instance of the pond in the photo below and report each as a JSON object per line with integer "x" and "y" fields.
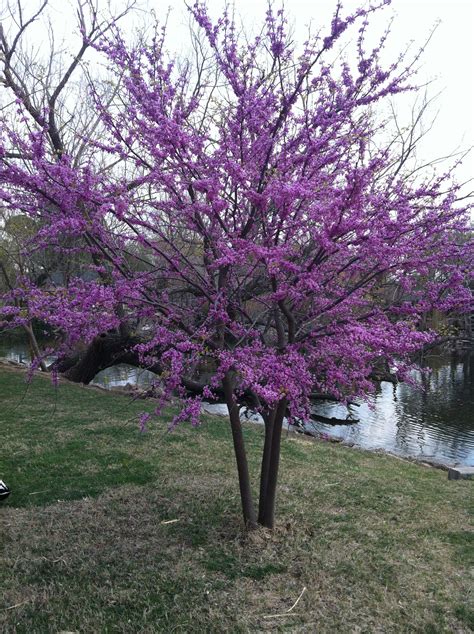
{"x": 432, "y": 422}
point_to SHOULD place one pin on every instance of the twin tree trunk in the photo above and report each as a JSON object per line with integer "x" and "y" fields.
{"x": 270, "y": 461}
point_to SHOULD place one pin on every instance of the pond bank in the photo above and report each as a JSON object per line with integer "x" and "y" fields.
{"x": 321, "y": 436}
{"x": 216, "y": 409}
{"x": 432, "y": 423}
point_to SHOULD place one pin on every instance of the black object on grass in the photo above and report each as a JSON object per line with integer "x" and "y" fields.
{"x": 4, "y": 490}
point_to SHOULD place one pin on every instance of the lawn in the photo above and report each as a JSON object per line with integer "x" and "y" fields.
{"x": 112, "y": 530}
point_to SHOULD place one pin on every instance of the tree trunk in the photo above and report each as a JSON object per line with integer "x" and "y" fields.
{"x": 104, "y": 351}
{"x": 35, "y": 351}
{"x": 270, "y": 464}
{"x": 248, "y": 508}
{"x": 265, "y": 468}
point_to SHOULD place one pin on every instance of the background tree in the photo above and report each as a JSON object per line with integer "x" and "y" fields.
{"x": 280, "y": 244}
{"x": 46, "y": 81}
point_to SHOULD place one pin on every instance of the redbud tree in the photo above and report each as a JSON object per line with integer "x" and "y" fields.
{"x": 257, "y": 215}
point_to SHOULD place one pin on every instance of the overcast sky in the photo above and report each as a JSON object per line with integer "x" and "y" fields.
{"x": 448, "y": 59}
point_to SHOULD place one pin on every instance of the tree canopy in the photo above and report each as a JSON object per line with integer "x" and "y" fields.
{"x": 249, "y": 205}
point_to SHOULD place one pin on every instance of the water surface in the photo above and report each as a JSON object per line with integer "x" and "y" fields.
{"x": 434, "y": 421}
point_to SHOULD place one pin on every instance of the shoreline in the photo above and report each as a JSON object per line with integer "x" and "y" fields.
{"x": 323, "y": 437}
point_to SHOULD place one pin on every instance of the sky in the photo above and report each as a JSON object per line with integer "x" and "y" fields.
{"x": 448, "y": 61}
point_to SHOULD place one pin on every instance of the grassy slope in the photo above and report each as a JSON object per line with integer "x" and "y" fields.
{"x": 381, "y": 545}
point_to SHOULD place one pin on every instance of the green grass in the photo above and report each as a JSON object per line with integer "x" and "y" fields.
{"x": 88, "y": 542}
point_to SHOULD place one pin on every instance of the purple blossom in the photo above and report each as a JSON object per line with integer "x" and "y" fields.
{"x": 249, "y": 220}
